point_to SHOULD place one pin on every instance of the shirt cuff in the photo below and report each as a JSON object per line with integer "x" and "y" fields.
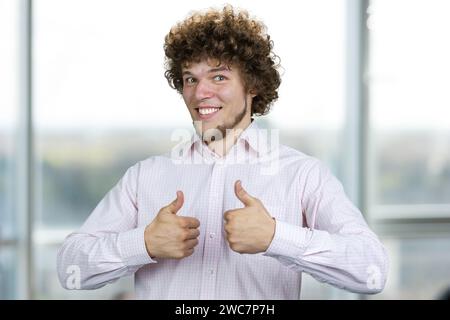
{"x": 288, "y": 241}
{"x": 132, "y": 247}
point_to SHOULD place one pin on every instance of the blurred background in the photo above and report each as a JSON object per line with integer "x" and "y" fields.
{"x": 365, "y": 88}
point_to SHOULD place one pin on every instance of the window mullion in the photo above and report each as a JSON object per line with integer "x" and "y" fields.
{"x": 25, "y": 172}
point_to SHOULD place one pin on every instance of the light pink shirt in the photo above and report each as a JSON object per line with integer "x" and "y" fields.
{"x": 318, "y": 230}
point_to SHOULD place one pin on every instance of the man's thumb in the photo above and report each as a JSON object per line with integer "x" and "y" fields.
{"x": 176, "y": 204}
{"x": 242, "y": 195}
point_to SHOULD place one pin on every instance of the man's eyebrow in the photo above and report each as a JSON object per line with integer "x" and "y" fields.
{"x": 222, "y": 68}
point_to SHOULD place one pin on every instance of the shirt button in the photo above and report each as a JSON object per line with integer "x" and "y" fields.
{"x": 211, "y": 271}
{"x": 212, "y": 235}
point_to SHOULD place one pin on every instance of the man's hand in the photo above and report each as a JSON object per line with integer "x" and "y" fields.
{"x": 250, "y": 229}
{"x": 169, "y": 235}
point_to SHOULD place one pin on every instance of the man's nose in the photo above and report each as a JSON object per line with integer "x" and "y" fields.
{"x": 203, "y": 90}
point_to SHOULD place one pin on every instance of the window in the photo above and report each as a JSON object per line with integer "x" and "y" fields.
{"x": 410, "y": 134}
{"x": 100, "y": 103}
{"x": 409, "y": 142}
{"x": 9, "y": 106}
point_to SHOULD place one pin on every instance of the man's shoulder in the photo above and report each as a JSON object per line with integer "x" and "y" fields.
{"x": 295, "y": 159}
{"x": 154, "y": 160}
{"x": 290, "y": 151}
{"x": 292, "y": 154}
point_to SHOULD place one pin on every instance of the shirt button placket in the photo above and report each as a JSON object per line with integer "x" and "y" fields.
{"x": 212, "y": 242}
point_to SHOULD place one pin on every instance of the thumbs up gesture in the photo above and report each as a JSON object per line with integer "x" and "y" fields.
{"x": 169, "y": 235}
{"x": 249, "y": 229}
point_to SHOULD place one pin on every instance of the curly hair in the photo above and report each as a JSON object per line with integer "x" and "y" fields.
{"x": 226, "y": 36}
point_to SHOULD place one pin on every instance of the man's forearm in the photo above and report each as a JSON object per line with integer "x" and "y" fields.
{"x": 354, "y": 262}
{"x": 87, "y": 261}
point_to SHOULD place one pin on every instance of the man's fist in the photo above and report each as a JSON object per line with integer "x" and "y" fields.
{"x": 249, "y": 229}
{"x": 169, "y": 235}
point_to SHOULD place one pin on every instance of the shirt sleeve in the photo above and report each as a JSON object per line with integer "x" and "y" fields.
{"x": 336, "y": 246}
{"x": 109, "y": 245}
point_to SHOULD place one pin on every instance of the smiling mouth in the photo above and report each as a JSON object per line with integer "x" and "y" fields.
{"x": 205, "y": 113}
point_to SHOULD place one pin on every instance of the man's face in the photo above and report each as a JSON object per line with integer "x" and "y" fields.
{"x": 215, "y": 97}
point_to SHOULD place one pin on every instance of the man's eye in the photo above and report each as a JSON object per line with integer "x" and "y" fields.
{"x": 189, "y": 80}
{"x": 219, "y": 78}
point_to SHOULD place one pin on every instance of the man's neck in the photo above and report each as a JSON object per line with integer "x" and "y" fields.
{"x": 221, "y": 147}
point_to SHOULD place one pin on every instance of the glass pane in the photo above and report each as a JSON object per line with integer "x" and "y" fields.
{"x": 48, "y": 286}
{"x": 9, "y": 105}
{"x": 9, "y": 111}
{"x": 419, "y": 268}
{"x": 8, "y": 273}
{"x": 408, "y": 82}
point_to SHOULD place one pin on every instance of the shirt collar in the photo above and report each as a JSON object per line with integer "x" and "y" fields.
{"x": 254, "y": 137}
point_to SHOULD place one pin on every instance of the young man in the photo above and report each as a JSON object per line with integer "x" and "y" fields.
{"x": 214, "y": 227}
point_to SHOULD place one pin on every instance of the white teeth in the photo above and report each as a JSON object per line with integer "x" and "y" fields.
{"x": 204, "y": 111}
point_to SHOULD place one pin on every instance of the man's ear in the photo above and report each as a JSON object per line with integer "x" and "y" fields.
{"x": 252, "y": 92}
